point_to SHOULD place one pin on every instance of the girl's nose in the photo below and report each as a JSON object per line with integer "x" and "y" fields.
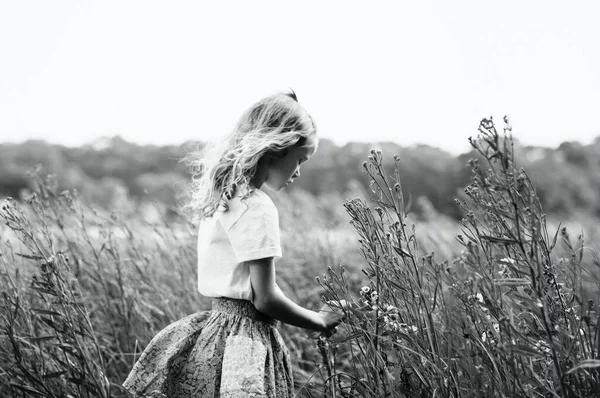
{"x": 296, "y": 173}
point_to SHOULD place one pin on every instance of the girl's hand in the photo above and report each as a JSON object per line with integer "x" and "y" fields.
{"x": 331, "y": 315}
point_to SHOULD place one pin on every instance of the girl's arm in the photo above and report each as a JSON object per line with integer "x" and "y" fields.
{"x": 270, "y": 300}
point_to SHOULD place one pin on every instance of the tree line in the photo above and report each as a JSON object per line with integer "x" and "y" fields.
{"x": 567, "y": 178}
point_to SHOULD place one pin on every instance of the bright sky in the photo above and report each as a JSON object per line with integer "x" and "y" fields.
{"x": 410, "y": 72}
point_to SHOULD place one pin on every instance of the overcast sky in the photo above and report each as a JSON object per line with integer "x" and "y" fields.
{"x": 410, "y": 72}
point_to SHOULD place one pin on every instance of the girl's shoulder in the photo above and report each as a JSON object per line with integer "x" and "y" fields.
{"x": 256, "y": 198}
{"x": 248, "y": 207}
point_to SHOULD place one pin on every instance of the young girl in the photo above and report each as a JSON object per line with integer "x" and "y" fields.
{"x": 235, "y": 350}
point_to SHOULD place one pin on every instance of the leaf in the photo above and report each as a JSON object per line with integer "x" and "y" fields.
{"x": 512, "y": 282}
{"x": 70, "y": 349}
{"x": 152, "y": 308}
{"x": 555, "y": 237}
{"x": 83, "y": 382}
{"x": 54, "y": 374}
{"x": 523, "y": 350}
{"x": 31, "y": 257}
{"x": 46, "y": 312}
{"x": 52, "y": 324}
{"x": 43, "y": 290}
{"x": 402, "y": 252}
{"x": 498, "y": 240}
{"x": 396, "y": 285}
{"x": 346, "y": 338}
{"x": 586, "y": 363}
{"x": 41, "y": 338}
{"x": 28, "y": 389}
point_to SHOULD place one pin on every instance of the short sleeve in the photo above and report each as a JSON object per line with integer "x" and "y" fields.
{"x": 256, "y": 233}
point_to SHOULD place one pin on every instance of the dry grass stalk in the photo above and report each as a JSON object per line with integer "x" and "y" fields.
{"x": 505, "y": 318}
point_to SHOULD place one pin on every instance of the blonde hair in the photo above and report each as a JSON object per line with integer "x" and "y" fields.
{"x": 270, "y": 126}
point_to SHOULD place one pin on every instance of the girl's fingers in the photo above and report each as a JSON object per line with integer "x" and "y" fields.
{"x": 330, "y": 333}
{"x": 343, "y": 304}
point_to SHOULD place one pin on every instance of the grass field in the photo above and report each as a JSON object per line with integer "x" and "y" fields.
{"x": 501, "y": 304}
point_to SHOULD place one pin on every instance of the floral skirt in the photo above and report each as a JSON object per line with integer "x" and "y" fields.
{"x": 232, "y": 351}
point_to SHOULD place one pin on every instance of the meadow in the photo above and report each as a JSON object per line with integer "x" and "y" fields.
{"x": 501, "y": 304}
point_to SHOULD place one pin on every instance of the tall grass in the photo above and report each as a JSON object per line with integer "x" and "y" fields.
{"x": 81, "y": 292}
{"x": 505, "y": 318}
{"x": 84, "y": 290}
{"x": 110, "y": 280}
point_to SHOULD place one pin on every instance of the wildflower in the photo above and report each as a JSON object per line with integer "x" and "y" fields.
{"x": 365, "y": 291}
{"x": 539, "y": 303}
{"x": 374, "y": 297}
{"x": 392, "y": 312}
{"x": 476, "y": 297}
{"x": 507, "y": 260}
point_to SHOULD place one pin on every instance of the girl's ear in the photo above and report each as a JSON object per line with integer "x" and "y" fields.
{"x": 266, "y": 159}
{"x": 270, "y": 157}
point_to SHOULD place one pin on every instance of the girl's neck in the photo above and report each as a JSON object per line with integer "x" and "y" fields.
{"x": 260, "y": 176}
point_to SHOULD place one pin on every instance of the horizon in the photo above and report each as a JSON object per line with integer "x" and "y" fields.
{"x": 100, "y": 143}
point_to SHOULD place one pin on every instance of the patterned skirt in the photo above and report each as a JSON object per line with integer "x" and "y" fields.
{"x": 231, "y": 351}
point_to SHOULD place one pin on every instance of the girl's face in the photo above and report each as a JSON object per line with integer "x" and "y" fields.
{"x": 283, "y": 171}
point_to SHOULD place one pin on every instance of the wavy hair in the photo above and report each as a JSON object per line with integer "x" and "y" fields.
{"x": 271, "y": 126}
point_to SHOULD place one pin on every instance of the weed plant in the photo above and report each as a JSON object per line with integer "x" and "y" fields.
{"x": 506, "y": 318}
{"x": 105, "y": 282}
{"x": 81, "y": 293}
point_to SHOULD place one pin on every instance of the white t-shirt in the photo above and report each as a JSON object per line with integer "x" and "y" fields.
{"x": 248, "y": 230}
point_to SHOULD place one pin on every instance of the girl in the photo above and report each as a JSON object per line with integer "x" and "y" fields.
{"x": 235, "y": 350}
